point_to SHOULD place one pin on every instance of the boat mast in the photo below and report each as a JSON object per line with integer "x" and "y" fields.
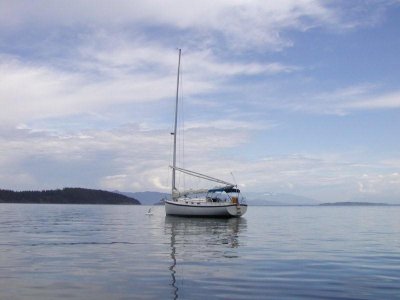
{"x": 175, "y": 126}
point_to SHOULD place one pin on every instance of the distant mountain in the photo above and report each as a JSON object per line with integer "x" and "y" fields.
{"x": 349, "y": 203}
{"x": 377, "y": 199}
{"x": 66, "y": 196}
{"x": 254, "y": 198}
{"x": 147, "y": 198}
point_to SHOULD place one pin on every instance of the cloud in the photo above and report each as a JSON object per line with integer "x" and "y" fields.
{"x": 359, "y": 97}
{"x": 234, "y": 122}
{"x": 86, "y": 93}
{"x": 329, "y": 177}
{"x": 128, "y": 157}
{"x": 384, "y": 101}
{"x": 380, "y": 184}
{"x": 333, "y": 177}
{"x": 134, "y": 158}
{"x": 110, "y": 73}
{"x": 340, "y": 101}
{"x": 52, "y": 158}
{"x": 238, "y": 24}
{"x": 119, "y": 63}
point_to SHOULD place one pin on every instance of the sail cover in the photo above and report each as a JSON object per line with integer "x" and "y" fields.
{"x": 227, "y": 189}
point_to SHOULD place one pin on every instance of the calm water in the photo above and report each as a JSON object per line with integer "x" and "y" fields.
{"x": 118, "y": 252}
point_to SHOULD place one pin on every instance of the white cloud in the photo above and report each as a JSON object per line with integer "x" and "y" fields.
{"x": 120, "y": 158}
{"x": 110, "y": 59}
{"x": 347, "y": 99}
{"x": 234, "y": 122}
{"x": 105, "y": 68}
{"x": 384, "y": 101}
{"x": 341, "y": 101}
{"x": 360, "y": 97}
{"x": 330, "y": 177}
{"x": 387, "y": 184}
{"x": 117, "y": 72}
{"x": 131, "y": 158}
{"x": 240, "y": 23}
{"x": 114, "y": 182}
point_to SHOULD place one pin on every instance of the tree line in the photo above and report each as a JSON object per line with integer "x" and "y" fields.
{"x": 65, "y": 196}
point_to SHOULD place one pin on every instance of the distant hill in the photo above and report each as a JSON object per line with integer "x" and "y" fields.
{"x": 256, "y": 198}
{"x": 252, "y": 198}
{"x": 378, "y": 198}
{"x": 66, "y": 196}
{"x": 147, "y": 198}
{"x": 353, "y": 204}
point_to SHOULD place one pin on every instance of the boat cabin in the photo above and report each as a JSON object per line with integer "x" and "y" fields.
{"x": 225, "y": 194}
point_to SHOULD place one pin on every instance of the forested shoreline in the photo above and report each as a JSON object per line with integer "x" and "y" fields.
{"x": 66, "y": 196}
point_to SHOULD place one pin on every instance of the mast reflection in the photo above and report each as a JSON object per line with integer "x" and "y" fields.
{"x": 172, "y": 267}
{"x": 188, "y": 236}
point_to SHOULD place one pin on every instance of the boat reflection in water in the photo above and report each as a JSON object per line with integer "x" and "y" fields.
{"x": 202, "y": 250}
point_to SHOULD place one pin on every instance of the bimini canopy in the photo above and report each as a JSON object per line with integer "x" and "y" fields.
{"x": 226, "y": 189}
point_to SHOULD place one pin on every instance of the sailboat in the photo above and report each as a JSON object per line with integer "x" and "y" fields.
{"x": 223, "y": 200}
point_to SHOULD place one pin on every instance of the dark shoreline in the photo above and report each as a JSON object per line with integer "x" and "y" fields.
{"x": 66, "y": 196}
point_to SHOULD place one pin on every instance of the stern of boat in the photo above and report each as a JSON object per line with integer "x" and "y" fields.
{"x": 237, "y": 210}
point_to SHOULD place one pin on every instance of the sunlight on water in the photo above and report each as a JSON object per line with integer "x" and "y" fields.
{"x": 119, "y": 252}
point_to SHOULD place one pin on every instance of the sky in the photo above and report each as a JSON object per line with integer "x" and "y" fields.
{"x": 291, "y": 96}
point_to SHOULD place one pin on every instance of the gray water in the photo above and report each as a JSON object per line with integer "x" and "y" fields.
{"x": 119, "y": 252}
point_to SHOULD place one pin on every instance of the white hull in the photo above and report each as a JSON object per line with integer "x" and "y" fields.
{"x": 179, "y": 208}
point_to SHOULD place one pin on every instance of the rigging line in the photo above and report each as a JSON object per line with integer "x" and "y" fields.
{"x": 181, "y": 130}
{"x": 234, "y": 179}
{"x": 175, "y": 123}
{"x": 182, "y": 122}
{"x": 171, "y": 148}
{"x": 170, "y": 161}
{"x": 203, "y": 176}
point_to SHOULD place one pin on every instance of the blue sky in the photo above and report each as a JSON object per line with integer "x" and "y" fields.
{"x": 297, "y": 97}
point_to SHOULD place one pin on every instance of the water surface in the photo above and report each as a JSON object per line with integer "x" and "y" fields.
{"x": 119, "y": 252}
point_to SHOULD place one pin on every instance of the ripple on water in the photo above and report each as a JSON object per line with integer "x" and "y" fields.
{"x": 118, "y": 252}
